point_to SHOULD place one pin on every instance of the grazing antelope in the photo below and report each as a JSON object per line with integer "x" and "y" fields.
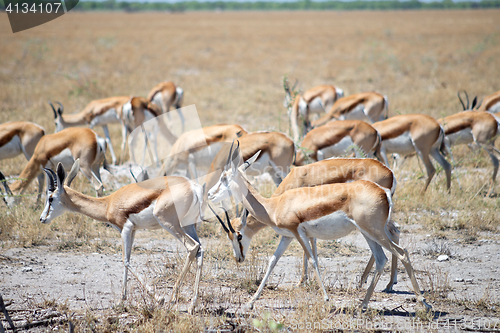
{"x": 367, "y": 106}
{"x": 166, "y": 94}
{"x": 20, "y": 137}
{"x": 135, "y": 113}
{"x": 316, "y": 100}
{"x": 100, "y": 112}
{"x": 339, "y": 170}
{"x": 336, "y": 138}
{"x": 410, "y": 133}
{"x": 171, "y": 203}
{"x": 277, "y": 155}
{"x": 324, "y": 212}
{"x": 194, "y": 141}
{"x": 473, "y": 127}
{"x": 64, "y": 146}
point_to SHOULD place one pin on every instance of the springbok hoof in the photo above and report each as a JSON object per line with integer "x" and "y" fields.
{"x": 248, "y": 306}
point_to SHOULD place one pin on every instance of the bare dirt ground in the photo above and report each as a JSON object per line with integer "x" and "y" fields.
{"x": 47, "y": 286}
{"x": 33, "y": 278}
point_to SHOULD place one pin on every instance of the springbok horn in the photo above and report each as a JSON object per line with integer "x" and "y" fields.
{"x": 228, "y": 221}
{"x": 244, "y": 216}
{"x": 218, "y": 218}
{"x": 51, "y": 182}
{"x": 54, "y": 175}
{"x": 62, "y": 107}
{"x": 53, "y": 109}
{"x": 467, "y": 96}
{"x": 229, "y": 156}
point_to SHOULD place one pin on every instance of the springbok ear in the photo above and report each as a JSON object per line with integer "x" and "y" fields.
{"x": 73, "y": 172}
{"x": 244, "y": 217}
{"x": 61, "y": 175}
{"x": 474, "y": 102}
{"x": 250, "y": 161}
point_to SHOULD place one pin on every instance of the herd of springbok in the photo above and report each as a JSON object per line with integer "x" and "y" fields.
{"x": 320, "y": 198}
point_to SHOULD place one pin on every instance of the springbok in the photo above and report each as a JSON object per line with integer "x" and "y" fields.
{"x": 367, "y": 106}
{"x": 20, "y": 137}
{"x": 165, "y": 95}
{"x": 337, "y": 138}
{"x": 476, "y": 127}
{"x": 277, "y": 155}
{"x": 316, "y": 100}
{"x": 194, "y": 141}
{"x": 410, "y": 133}
{"x": 171, "y": 203}
{"x": 338, "y": 170}
{"x": 325, "y": 212}
{"x": 100, "y": 112}
{"x": 135, "y": 113}
{"x": 64, "y": 146}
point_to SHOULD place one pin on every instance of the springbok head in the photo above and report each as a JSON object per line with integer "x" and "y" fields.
{"x": 57, "y": 202}
{"x": 57, "y": 116}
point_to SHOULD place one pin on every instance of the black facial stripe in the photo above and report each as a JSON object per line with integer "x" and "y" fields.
{"x": 241, "y": 248}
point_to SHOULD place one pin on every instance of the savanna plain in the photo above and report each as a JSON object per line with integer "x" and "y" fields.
{"x": 231, "y": 66}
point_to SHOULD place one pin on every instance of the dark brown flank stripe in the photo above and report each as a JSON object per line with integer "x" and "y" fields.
{"x": 393, "y": 131}
{"x": 6, "y": 138}
{"x": 323, "y": 208}
{"x": 456, "y": 125}
{"x": 58, "y": 149}
{"x": 120, "y": 215}
{"x": 353, "y": 105}
{"x": 493, "y": 102}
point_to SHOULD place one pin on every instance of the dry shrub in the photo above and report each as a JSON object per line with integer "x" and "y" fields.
{"x": 435, "y": 283}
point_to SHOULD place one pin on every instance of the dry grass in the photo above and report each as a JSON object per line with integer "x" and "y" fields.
{"x": 230, "y": 66}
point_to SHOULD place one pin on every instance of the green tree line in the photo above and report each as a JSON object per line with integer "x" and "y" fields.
{"x": 270, "y": 5}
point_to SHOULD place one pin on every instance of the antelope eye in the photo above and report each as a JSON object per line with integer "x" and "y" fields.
{"x": 50, "y": 199}
{"x": 240, "y": 237}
